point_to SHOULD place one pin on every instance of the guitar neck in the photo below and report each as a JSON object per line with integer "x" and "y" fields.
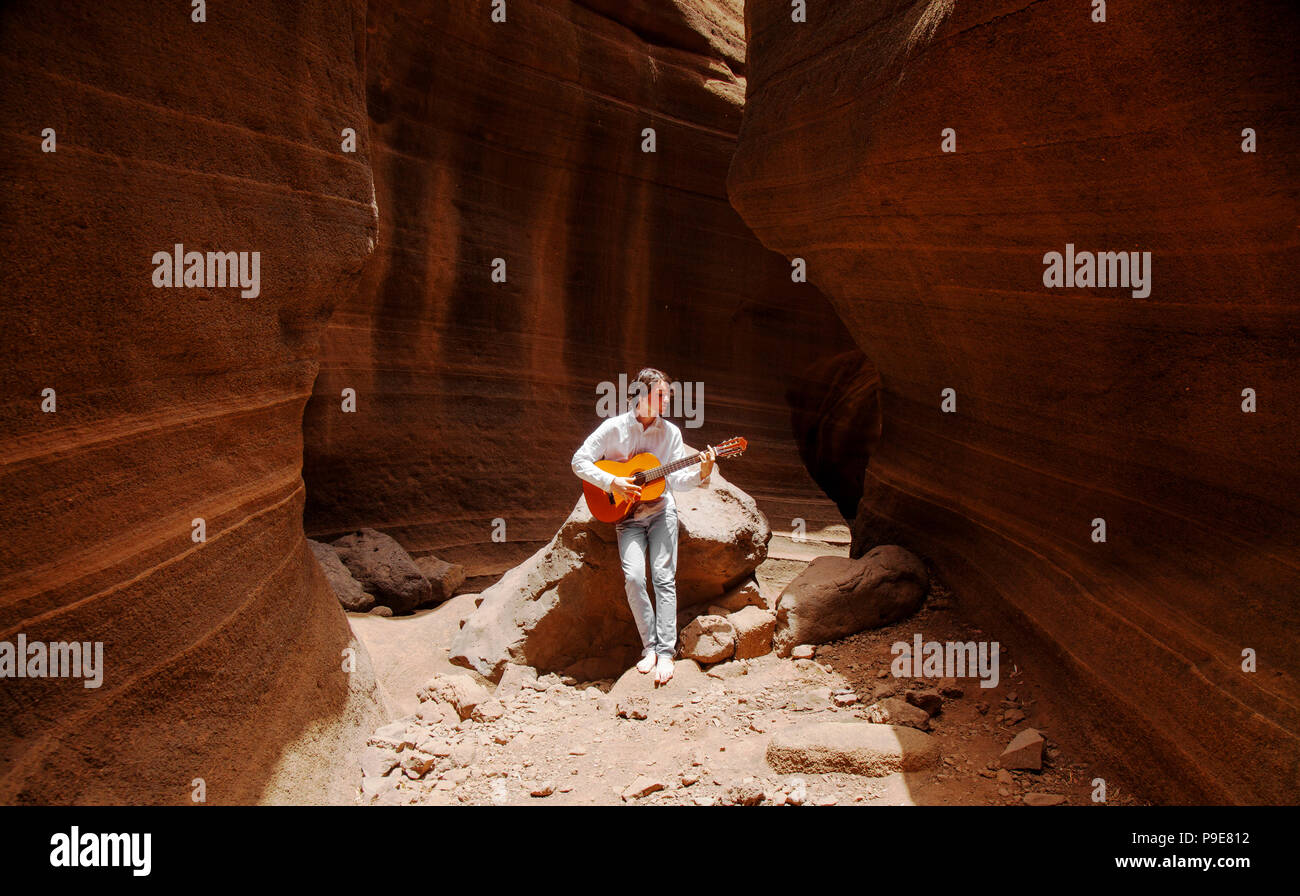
{"x": 661, "y": 471}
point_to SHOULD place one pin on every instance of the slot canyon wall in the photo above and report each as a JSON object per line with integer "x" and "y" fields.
{"x": 1071, "y": 404}
{"x": 222, "y": 659}
{"x": 522, "y": 141}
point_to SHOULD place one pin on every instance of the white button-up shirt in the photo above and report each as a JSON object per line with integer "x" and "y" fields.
{"x": 622, "y": 437}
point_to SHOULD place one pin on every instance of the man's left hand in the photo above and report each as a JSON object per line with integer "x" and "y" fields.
{"x": 706, "y": 465}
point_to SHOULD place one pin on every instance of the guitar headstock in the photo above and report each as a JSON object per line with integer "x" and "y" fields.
{"x": 733, "y": 447}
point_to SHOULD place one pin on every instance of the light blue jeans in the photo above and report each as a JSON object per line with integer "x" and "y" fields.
{"x": 656, "y": 624}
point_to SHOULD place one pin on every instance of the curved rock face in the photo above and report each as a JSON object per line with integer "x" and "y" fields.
{"x": 1071, "y": 404}
{"x": 522, "y": 141}
{"x": 222, "y": 658}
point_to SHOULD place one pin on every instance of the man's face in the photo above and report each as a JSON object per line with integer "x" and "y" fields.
{"x": 656, "y": 402}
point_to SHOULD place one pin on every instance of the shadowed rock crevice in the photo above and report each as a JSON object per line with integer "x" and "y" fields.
{"x": 835, "y": 416}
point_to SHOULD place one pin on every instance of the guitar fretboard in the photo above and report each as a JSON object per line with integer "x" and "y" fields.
{"x": 661, "y": 471}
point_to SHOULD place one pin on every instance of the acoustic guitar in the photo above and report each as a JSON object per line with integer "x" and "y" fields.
{"x": 646, "y": 471}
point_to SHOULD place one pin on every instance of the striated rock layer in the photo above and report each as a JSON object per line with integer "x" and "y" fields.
{"x": 1072, "y": 404}
{"x": 222, "y": 660}
{"x": 522, "y": 141}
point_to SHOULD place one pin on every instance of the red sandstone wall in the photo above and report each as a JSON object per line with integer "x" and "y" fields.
{"x": 173, "y": 404}
{"x": 1071, "y": 404}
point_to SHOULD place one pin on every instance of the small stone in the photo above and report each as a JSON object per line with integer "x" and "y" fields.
{"x": 754, "y": 629}
{"x": 928, "y": 700}
{"x": 488, "y": 711}
{"x": 860, "y": 748}
{"x": 893, "y": 711}
{"x": 455, "y": 775}
{"x": 545, "y": 789}
{"x": 636, "y": 706}
{"x": 798, "y": 794}
{"x": 809, "y": 700}
{"x": 515, "y": 678}
{"x": 1024, "y": 751}
{"x": 462, "y": 754}
{"x": 456, "y": 690}
{"x": 377, "y": 786}
{"x": 802, "y": 652}
{"x": 436, "y": 747}
{"x": 643, "y": 786}
{"x": 378, "y": 761}
{"x": 708, "y": 639}
{"x": 1043, "y": 799}
{"x": 744, "y": 793}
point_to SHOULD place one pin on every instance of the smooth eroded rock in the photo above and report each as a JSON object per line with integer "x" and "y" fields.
{"x": 858, "y": 748}
{"x": 839, "y": 596}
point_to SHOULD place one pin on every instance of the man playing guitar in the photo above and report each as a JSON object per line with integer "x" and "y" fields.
{"x": 651, "y": 527}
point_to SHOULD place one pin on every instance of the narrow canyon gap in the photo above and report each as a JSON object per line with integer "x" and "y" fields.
{"x": 523, "y": 141}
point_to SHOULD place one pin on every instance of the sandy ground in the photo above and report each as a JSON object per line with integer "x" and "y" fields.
{"x": 705, "y": 733}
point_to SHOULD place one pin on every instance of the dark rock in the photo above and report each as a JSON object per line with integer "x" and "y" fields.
{"x": 348, "y": 590}
{"x": 838, "y": 596}
{"x": 384, "y": 569}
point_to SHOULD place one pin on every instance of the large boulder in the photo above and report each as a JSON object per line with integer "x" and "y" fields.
{"x": 444, "y": 577}
{"x": 384, "y": 569}
{"x": 565, "y": 608}
{"x": 348, "y": 590}
{"x": 838, "y": 596}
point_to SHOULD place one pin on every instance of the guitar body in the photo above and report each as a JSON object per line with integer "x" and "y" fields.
{"x": 607, "y": 509}
{"x": 603, "y": 505}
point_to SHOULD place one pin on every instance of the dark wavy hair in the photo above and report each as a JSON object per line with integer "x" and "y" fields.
{"x": 645, "y": 381}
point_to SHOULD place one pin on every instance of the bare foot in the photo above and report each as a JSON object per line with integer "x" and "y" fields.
{"x": 663, "y": 670}
{"x": 647, "y": 662}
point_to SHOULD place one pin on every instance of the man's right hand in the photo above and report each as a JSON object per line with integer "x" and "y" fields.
{"x": 625, "y": 489}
